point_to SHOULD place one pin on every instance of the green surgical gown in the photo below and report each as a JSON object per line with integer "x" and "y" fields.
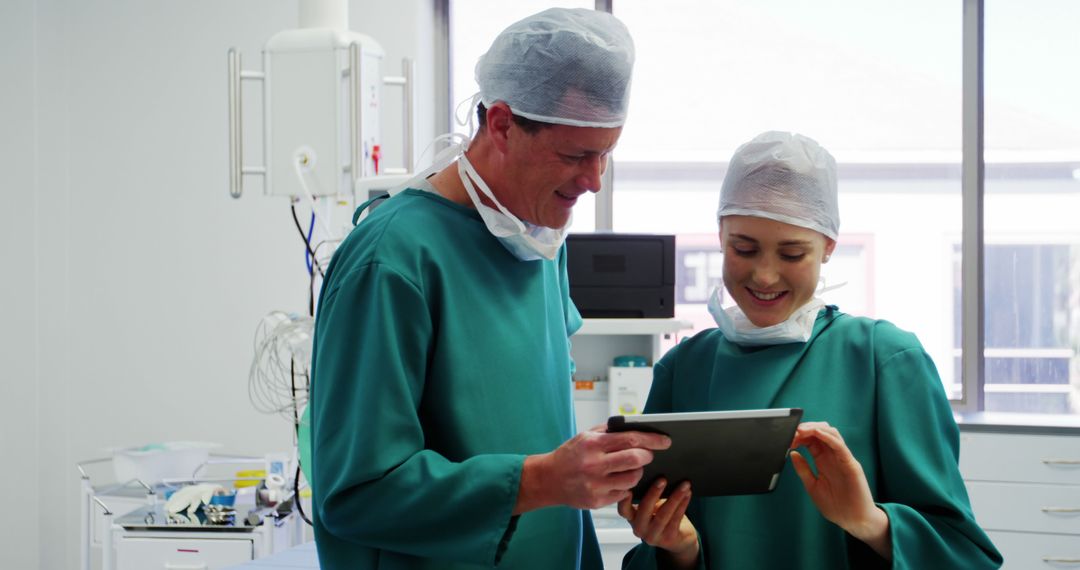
{"x": 440, "y": 362}
{"x": 874, "y": 383}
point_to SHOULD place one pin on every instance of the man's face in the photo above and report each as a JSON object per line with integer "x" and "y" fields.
{"x": 771, "y": 268}
{"x": 544, "y": 173}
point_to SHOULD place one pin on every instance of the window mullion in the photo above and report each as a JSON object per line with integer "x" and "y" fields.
{"x": 972, "y": 333}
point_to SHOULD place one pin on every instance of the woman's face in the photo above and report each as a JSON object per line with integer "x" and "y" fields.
{"x": 771, "y": 268}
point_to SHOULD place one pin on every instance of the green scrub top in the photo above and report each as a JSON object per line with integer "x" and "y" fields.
{"x": 875, "y": 384}
{"x": 440, "y": 362}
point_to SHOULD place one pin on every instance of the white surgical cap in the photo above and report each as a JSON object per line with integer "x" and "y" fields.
{"x": 563, "y": 66}
{"x": 784, "y": 177}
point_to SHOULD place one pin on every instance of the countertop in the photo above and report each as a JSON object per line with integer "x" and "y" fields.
{"x": 1033, "y": 424}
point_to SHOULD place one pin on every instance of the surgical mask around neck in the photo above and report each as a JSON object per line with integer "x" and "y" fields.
{"x": 737, "y": 328}
{"x": 528, "y": 242}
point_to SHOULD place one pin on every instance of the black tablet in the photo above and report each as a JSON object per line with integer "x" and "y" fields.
{"x": 720, "y": 453}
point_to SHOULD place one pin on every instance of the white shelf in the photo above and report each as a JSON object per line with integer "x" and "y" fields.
{"x": 632, "y": 326}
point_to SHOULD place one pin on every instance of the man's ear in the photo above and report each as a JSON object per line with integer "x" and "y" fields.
{"x": 499, "y": 122}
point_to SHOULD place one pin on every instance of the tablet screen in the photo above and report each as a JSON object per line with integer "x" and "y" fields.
{"x": 721, "y": 453}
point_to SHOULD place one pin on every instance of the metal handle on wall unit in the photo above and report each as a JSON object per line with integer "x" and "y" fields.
{"x": 236, "y": 178}
{"x": 408, "y": 70}
{"x": 356, "y": 110}
{"x": 406, "y": 81}
{"x": 236, "y": 169}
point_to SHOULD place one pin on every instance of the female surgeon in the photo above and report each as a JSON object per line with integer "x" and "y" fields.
{"x": 878, "y": 482}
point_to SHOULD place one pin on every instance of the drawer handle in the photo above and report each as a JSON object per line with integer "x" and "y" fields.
{"x": 1072, "y": 462}
{"x": 1060, "y": 560}
{"x": 1061, "y": 510}
{"x": 203, "y": 566}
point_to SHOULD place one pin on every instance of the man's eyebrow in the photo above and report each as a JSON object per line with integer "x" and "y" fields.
{"x": 583, "y": 151}
{"x": 575, "y": 147}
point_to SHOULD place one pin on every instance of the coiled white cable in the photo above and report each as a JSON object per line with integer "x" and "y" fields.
{"x": 279, "y": 376}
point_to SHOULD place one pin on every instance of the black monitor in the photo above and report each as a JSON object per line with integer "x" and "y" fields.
{"x": 622, "y": 275}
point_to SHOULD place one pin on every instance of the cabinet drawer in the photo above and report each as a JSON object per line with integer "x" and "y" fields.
{"x": 1020, "y": 458}
{"x": 1024, "y": 551}
{"x": 1026, "y": 507}
{"x": 182, "y": 554}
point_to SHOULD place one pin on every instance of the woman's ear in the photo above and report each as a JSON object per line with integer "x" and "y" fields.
{"x": 830, "y": 245}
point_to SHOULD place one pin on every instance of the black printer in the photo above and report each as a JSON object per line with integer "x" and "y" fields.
{"x": 622, "y": 275}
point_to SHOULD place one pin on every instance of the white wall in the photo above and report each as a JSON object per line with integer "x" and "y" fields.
{"x": 18, "y": 283}
{"x": 405, "y": 29}
{"x": 133, "y": 283}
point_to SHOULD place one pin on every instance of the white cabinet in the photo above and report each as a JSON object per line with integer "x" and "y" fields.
{"x": 186, "y": 549}
{"x": 1028, "y": 507}
{"x": 594, "y": 349}
{"x": 168, "y": 553}
{"x": 1025, "y": 491}
{"x": 1024, "y": 550}
{"x": 1022, "y": 458}
{"x": 601, "y": 340}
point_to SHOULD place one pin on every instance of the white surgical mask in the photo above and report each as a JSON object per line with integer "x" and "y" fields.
{"x": 738, "y": 329}
{"x": 526, "y": 241}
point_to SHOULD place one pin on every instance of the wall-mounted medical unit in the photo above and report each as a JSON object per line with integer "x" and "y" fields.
{"x": 322, "y": 90}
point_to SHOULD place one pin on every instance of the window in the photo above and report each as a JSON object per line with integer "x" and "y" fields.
{"x": 1028, "y": 353}
{"x": 886, "y": 107}
{"x": 1032, "y": 204}
{"x": 887, "y": 103}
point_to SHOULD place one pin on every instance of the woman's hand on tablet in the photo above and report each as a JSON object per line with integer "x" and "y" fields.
{"x": 663, "y": 523}
{"x": 839, "y": 489}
